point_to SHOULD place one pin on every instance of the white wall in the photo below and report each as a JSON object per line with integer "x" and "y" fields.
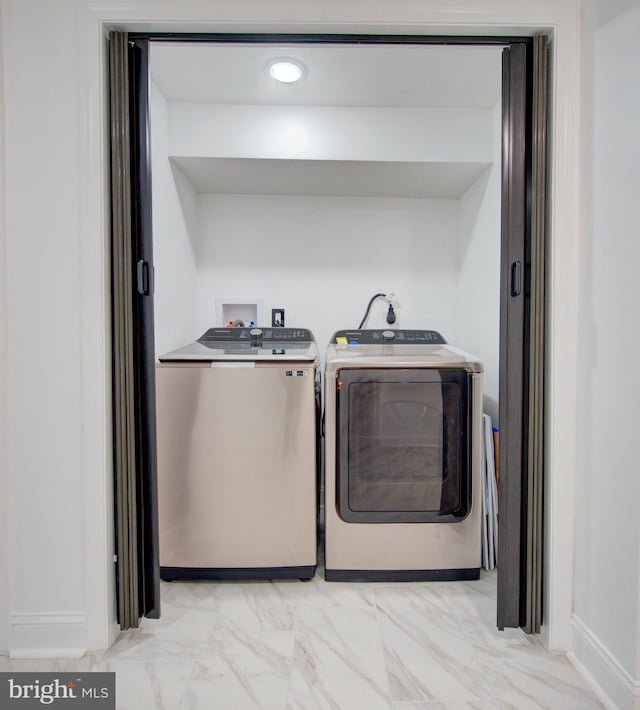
{"x": 478, "y": 291}
{"x": 330, "y": 132}
{"x": 174, "y": 207}
{"x": 323, "y": 258}
{"x": 60, "y": 537}
{"x": 4, "y": 491}
{"x": 47, "y": 568}
{"x": 607, "y": 589}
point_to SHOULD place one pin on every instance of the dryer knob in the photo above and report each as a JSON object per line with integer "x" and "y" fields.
{"x": 388, "y": 335}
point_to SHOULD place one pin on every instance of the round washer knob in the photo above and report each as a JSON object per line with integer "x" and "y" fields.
{"x": 255, "y": 332}
{"x": 388, "y": 335}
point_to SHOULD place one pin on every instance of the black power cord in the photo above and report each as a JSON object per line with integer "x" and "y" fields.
{"x": 391, "y": 314}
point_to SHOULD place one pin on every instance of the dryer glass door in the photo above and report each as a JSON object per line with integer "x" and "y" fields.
{"x": 404, "y": 445}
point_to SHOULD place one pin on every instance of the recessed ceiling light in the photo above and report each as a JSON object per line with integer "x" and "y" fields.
{"x": 286, "y": 70}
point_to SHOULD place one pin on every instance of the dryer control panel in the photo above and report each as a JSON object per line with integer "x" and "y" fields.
{"x": 380, "y": 337}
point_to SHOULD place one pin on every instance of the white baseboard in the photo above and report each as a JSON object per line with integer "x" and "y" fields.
{"x": 48, "y": 635}
{"x": 611, "y": 683}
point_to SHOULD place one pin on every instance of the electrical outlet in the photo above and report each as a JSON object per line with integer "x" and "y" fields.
{"x": 277, "y": 317}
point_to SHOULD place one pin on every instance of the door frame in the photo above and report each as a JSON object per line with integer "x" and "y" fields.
{"x": 559, "y": 24}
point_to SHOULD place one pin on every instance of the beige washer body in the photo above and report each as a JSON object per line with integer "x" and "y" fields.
{"x": 367, "y": 551}
{"x": 237, "y": 472}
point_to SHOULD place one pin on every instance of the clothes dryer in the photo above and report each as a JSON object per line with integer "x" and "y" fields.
{"x": 237, "y": 464}
{"x": 403, "y": 456}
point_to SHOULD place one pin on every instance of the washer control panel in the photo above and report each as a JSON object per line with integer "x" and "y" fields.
{"x": 246, "y": 335}
{"x": 381, "y": 337}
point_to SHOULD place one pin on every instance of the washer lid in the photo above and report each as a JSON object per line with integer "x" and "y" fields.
{"x": 273, "y": 344}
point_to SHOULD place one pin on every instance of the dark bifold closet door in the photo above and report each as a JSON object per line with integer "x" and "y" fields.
{"x": 134, "y": 446}
{"x": 521, "y": 331}
{"x": 522, "y": 335}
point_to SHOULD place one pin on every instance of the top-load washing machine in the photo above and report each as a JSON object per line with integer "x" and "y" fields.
{"x": 403, "y": 457}
{"x": 237, "y": 459}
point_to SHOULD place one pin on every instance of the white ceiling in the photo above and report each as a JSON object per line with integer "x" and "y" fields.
{"x": 337, "y": 75}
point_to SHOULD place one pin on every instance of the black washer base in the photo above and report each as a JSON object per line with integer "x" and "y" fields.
{"x": 401, "y": 575}
{"x": 171, "y": 574}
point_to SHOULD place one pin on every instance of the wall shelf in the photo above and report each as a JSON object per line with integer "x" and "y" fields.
{"x": 334, "y": 178}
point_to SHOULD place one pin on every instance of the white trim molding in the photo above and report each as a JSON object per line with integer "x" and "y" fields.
{"x": 611, "y": 683}
{"x": 4, "y": 417}
{"x": 48, "y": 635}
{"x": 95, "y": 315}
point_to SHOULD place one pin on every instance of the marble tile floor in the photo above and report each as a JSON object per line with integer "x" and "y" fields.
{"x": 290, "y": 645}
